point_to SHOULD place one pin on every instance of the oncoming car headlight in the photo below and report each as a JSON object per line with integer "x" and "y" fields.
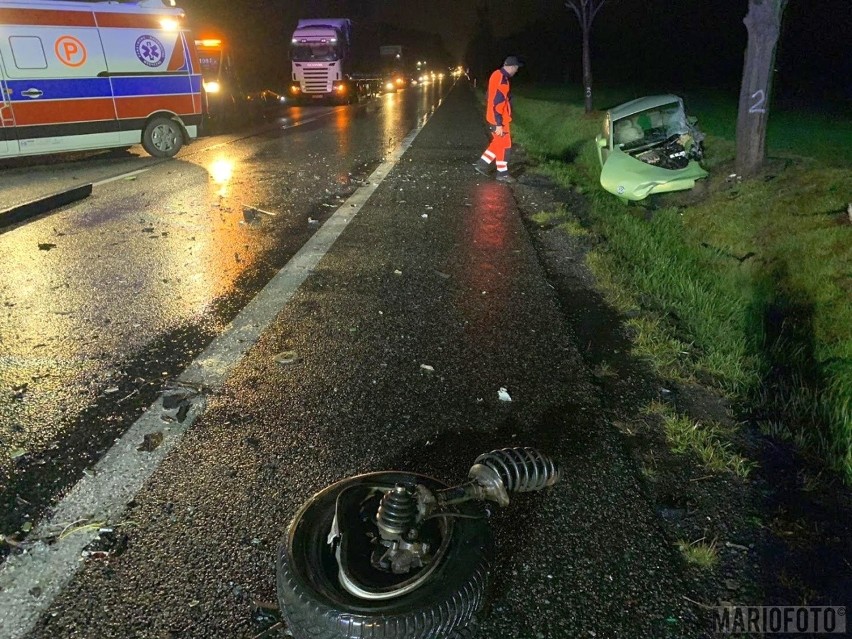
{"x": 212, "y": 87}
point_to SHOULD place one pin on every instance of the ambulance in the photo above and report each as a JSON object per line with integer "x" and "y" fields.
{"x": 96, "y": 75}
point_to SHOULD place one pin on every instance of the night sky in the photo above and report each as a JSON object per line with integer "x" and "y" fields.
{"x": 654, "y": 43}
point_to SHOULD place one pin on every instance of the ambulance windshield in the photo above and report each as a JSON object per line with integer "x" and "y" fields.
{"x": 314, "y": 51}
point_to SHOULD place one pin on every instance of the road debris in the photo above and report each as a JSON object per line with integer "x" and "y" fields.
{"x": 503, "y": 395}
{"x": 397, "y": 272}
{"x": 150, "y": 442}
{"x": 46, "y": 246}
{"x": 426, "y": 367}
{"x": 287, "y": 357}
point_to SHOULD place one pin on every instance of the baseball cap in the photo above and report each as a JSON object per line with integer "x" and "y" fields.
{"x": 512, "y": 61}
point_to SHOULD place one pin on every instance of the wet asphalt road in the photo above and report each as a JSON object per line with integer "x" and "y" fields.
{"x": 103, "y": 301}
{"x": 460, "y": 290}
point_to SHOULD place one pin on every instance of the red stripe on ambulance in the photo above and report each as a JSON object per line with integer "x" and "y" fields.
{"x": 134, "y": 21}
{"x": 178, "y": 57}
{"x": 63, "y": 111}
{"x": 142, "y": 107}
{"x": 47, "y": 18}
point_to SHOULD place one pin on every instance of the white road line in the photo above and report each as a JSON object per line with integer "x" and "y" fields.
{"x": 29, "y": 582}
{"x": 123, "y": 176}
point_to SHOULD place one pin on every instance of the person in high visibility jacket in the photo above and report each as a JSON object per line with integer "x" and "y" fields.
{"x": 498, "y": 114}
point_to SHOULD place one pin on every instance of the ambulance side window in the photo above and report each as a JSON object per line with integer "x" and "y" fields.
{"x": 28, "y": 52}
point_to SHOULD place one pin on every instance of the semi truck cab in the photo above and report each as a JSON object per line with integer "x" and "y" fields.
{"x": 320, "y": 58}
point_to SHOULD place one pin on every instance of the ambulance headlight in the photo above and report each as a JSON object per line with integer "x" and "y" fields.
{"x": 212, "y": 87}
{"x": 389, "y": 86}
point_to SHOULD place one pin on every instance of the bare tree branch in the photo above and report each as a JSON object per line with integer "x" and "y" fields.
{"x": 596, "y": 9}
{"x": 572, "y": 4}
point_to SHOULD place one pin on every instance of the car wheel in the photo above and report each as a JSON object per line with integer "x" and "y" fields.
{"x": 162, "y": 138}
{"x": 316, "y": 606}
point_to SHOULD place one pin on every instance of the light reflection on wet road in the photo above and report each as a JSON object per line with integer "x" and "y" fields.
{"x": 104, "y": 300}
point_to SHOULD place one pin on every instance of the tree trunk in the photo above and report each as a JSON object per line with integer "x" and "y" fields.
{"x": 763, "y": 23}
{"x": 587, "y": 70}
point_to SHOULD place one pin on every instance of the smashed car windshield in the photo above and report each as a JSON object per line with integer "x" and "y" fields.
{"x": 650, "y": 126}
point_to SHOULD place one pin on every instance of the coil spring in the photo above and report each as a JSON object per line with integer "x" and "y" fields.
{"x": 521, "y": 469}
{"x": 397, "y": 512}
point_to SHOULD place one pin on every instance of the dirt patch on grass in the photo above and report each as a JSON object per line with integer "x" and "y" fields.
{"x": 779, "y": 536}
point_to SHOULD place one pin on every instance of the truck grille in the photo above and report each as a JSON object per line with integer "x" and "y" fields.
{"x": 317, "y": 80}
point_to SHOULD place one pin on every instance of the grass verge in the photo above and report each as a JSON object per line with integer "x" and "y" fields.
{"x": 747, "y": 288}
{"x": 699, "y": 553}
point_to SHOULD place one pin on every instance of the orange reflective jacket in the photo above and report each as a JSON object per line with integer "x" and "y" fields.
{"x": 499, "y": 106}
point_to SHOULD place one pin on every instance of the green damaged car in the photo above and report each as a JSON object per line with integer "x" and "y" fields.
{"x": 649, "y": 145}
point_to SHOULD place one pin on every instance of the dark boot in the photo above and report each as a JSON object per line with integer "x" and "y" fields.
{"x": 482, "y": 166}
{"x": 503, "y": 176}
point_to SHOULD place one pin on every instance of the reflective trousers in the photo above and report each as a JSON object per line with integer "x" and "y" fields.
{"x": 499, "y": 150}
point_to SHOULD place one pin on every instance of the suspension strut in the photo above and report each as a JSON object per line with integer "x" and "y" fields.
{"x": 492, "y": 476}
{"x": 401, "y": 536}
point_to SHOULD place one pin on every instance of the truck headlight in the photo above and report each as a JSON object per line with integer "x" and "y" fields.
{"x": 212, "y": 87}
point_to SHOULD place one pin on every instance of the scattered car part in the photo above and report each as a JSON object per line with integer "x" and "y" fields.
{"x": 398, "y": 555}
{"x": 649, "y": 145}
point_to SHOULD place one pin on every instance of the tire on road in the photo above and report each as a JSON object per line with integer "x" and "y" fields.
{"x": 315, "y": 606}
{"x": 162, "y": 137}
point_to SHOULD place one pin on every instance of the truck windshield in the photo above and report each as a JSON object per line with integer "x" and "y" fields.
{"x": 210, "y": 62}
{"x": 308, "y": 52}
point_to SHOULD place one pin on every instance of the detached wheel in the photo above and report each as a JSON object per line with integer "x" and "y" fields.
{"x": 162, "y": 138}
{"x": 316, "y": 606}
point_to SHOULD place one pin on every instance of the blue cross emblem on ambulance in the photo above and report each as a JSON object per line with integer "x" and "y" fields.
{"x": 150, "y": 51}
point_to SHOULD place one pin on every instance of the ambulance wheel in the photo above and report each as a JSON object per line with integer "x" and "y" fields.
{"x": 162, "y": 138}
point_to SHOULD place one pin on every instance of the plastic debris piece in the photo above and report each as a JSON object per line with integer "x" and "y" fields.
{"x": 18, "y": 452}
{"x": 426, "y": 367}
{"x": 287, "y": 357}
{"x": 503, "y": 395}
{"x": 110, "y": 391}
{"x": 312, "y": 220}
{"x": 425, "y": 215}
{"x": 397, "y": 272}
{"x": 46, "y": 246}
